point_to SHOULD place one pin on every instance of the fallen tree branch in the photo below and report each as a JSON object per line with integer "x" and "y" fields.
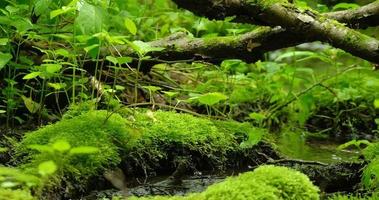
{"x": 362, "y": 17}
{"x": 312, "y": 25}
{"x": 248, "y": 47}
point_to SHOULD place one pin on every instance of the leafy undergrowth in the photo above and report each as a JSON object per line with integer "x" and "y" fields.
{"x": 265, "y": 182}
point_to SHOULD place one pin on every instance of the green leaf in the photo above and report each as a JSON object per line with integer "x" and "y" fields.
{"x": 52, "y": 68}
{"x": 84, "y": 150}
{"x": 89, "y": 48}
{"x": 4, "y": 59}
{"x": 124, "y": 60}
{"x": 61, "y": 11}
{"x": 57, "y": 86}
{"x": 31, "y": 105}
{"x": 112, "y": 59}
{"x": 376, "y": 103}
{"x": 170, "y": 94}
{"x": 3, "y": 149}
{"x": 211, "y": 98}
{"x": 152, "y": 88}
{"x": 345, "y": 6}
{"x": 47, "y": 168}
{"x": 254, "y": 137}
{"x": 4, "y": 41}
{"x": 41, "y": 6}
{"x": 90, "y": 19}
{"x": 143, "y": 48}
{"x": 62, "y": 52}
{"x": 131, "y": 26}
{"x": 259, "y": 117}
{"x": 61, "y": 146}
{"x": 2, "y": 111}
{"x": 31, "y": 75}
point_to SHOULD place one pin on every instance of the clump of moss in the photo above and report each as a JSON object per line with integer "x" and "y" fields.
{"x": 170, "y": 134}
{"x": 109, "y": 133}
{"x": 266, "y": 182}
{"x": 9, "y": 194}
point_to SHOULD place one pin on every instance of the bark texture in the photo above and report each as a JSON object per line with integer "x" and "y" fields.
{"x": 312, "y": 25}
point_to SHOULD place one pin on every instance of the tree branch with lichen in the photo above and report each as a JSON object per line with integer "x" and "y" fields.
{"x": 312, "y": 25}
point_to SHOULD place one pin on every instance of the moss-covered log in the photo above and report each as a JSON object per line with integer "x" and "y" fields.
{"x": 306, "y": 22}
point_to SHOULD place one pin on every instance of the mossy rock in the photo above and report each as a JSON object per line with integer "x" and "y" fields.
{"x": 110, "y": 133}
{"x": 266, "y": 182}
{"x": 143, "y": 140}
{"x": 9, "y": 194}
{"x": 167, "y": 135}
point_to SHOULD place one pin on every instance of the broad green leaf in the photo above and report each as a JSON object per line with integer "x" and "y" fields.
{"x": 31, "y": 105}
{"x": 62, "y": 52}
{"x": 211, "y": 98}
{"x": 41, "y": 6}
{"x": 112, "y": 59}
{"x": 31, "y": 75}
{"x": 143, "y": 48}
{"x": 4, "y": 41}
{"x": 52, "y": 68}
{"x": 22, "y": 25}
{"x": 4, "y": 59}
{"x": 47, "y": 168}
{"x": 61, "y": 146}
{"x": 376, "y": 103}
{"x": 2, "y": 111}
{"x": 254, "y": 137}
{"x": 84, "y": 150}
{"x": 90, "y": 19}
{"x": 131, "y": 26}
{"x": 124, "y": 60}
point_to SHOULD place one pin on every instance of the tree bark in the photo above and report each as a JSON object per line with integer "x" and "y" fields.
{"x": 312, "y": 25}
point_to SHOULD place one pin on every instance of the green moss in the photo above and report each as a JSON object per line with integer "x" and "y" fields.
{"x": 109, "y": 133}
{"x": 8, "y": 194}
{"x": 144, "y": 140}
{"x": 266, "y": 182}
{"x": 168, "y": 132}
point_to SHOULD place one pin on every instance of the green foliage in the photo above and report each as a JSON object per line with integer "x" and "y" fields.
{"x": 8, "y": 194}
{"x": 265, "y": 182}
{"x": 370, "y": 177}
{"x": 108, "y": 133}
